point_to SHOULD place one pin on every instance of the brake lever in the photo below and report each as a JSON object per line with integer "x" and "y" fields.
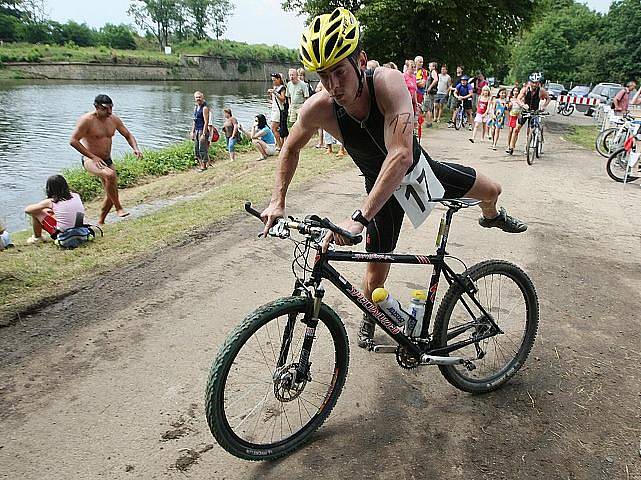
{"x": 355, "y": 239}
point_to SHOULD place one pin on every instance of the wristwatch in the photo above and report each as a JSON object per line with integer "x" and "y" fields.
{"x": 357, "y": 216}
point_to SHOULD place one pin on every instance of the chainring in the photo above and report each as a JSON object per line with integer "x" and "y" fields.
{"x": 405, "y": 360}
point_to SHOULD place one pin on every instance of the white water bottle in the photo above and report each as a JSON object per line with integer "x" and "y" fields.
{"x": 390, "y": 305}
{"x": 416, "y": 310}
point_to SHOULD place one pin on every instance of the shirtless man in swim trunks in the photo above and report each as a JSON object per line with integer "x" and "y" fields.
{"x": 92, "y": 138}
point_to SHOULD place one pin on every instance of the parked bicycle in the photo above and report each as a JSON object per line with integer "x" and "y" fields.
{"x": 280, "y": 372}
{"x": 623, "y": 164}
{"x": 535, "y": 139}
{"x": 564, "y": 108}
{"x": 461, "y": 119}
{"x": 612, "y": 139}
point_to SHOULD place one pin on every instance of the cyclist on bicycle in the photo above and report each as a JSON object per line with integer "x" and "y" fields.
{"x": 370, "y": 112}
{"x": 463, "y": 92}
{"x": 530, "y": 96}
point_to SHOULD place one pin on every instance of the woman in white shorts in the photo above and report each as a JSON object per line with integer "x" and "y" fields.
{"x": 262, "y": 137}
{"x": 277, "y": 93}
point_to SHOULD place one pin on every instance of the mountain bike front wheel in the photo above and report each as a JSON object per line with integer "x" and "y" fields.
{"x": 603, "y": 142}
{"x": 508, "y": 295}
{"x": 618, "y": 168}
{"x": 530, "y": 147}
{"x": 458, "y": 121}
{"x": 258, "y": 410}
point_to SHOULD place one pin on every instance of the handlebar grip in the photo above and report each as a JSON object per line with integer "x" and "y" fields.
{"x": 249, "y": 209}
{"x": 354, "y": 238}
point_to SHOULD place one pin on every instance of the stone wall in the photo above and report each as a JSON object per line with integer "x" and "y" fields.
{"x": 191, "y": 67}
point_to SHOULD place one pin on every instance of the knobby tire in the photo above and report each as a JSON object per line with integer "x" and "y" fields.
{"x": 217, "y": 419}
{"x": 523, "y": 288}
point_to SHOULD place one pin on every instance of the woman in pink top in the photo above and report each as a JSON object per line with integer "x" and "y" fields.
{"x": 61, "y": 210}
{"x": 410, "y": 81}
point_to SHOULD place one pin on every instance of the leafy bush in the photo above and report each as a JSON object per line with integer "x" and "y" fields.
{"x": 118, "y": 36}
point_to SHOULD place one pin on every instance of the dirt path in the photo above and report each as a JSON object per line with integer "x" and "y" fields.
{"x": 109, "y": 382}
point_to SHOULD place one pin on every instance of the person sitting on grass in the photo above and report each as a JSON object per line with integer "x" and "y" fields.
{"x": 5, "y": 238}
{"x": 62, "y": 209}
{"x": 262, "y": 137}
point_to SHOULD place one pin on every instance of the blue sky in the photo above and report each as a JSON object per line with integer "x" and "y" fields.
{"x": 254, "y": 21}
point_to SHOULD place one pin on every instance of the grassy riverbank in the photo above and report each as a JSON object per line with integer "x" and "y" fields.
{"x": 131, "y": 171}
{"x": 584, "y": 136}
{"x": 35, "y": 53}
{"x": 224, "y": 49}
{"x": 31, "y": 276}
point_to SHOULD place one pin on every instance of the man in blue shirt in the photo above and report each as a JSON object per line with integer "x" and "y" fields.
{"x": 463, "y": 93}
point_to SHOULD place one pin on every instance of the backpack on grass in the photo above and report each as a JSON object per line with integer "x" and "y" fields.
{"x": 76, "y": 236}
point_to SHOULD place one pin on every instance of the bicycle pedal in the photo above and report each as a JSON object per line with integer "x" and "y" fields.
{"x": 384, "y": 348}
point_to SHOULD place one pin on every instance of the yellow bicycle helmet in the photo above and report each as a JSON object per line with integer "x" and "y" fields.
{"x": 328, "y": 39}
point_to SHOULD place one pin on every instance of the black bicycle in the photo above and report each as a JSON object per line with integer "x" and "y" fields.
{"x": 280, "y": 372}
{"x": 535, "y": 140}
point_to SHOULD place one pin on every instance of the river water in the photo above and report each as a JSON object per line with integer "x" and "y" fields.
{"x": 37, "y": 118}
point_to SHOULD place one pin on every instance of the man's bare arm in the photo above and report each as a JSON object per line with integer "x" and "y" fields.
{"x": 306, "y": 125}
{"x": 396, "y": 105}
{"x": 546, "y": 97}
{"x": 131, "y": 140}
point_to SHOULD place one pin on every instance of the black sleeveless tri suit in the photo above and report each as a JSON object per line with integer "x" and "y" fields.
{"x": 365, "y": 142}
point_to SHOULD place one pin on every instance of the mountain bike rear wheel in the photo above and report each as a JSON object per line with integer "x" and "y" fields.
{"x": 617, "y": 166}
{"x": 507, "y": 293}
{"x": 567, "y": 110}
{"x": 538, "y": 142}
{"x": 258, "y": 411}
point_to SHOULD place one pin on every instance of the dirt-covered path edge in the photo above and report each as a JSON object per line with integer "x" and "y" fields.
{"x": 109, "y": 381}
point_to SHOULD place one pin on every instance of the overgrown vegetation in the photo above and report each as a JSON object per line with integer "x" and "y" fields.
{"x": 132, "y": 171}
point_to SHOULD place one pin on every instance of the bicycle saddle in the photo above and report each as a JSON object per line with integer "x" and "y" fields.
{"x": 457, "y": 202}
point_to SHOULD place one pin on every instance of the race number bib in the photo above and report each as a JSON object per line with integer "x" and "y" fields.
{"x": 417, "y": 189}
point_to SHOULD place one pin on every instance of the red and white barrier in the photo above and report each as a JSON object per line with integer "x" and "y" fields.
{"x": 577, "y": 100}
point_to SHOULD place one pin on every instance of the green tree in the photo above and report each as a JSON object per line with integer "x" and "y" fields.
{"x": 559, "y": 45}
{"x": 621, "y": 39}
{"x": 472, "y": 32}
{"x": 9, "y": 28}
{"x": 118, "y": 36}
{"x": 222, "y": 10}
{"x": 205, "y": 14}
{"x": 78, "y": 33}
{"x": 155, "y": 16}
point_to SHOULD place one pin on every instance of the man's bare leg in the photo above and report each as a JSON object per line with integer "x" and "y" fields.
{"x": 109, "y": 181}
{"x": 488, "y": 191}
{"x": 375, "y": 276}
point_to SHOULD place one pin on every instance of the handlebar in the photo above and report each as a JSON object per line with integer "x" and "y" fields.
{"x": 312, "y": 226}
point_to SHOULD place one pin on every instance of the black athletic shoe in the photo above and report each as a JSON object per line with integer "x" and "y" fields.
{"x": 366, "y": 332}
{"x": 505, "y": 222}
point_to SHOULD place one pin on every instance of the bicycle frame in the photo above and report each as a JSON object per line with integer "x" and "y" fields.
{"x": 323, "y": 270}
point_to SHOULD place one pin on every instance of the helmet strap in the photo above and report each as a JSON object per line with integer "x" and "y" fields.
{"x": 359, "y": 74}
